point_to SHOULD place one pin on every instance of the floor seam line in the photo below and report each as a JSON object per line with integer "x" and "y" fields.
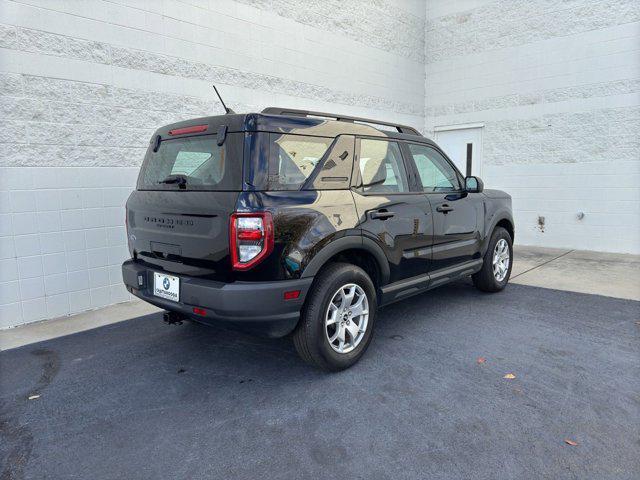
{"x": 542, "y": 264}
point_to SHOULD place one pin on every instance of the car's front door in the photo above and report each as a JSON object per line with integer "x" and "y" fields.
{"x": 456, "y": 213}
{"x": 392, "y": 211}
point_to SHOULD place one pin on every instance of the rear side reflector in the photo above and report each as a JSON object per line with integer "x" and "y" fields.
{"x": 250, "y": 238}
{"x": 292, "y": 295}
{"x": 200, "y": 311}
{"x": 185, "y": 130}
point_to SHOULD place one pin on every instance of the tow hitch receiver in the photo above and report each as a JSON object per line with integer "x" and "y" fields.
{"x": 173, "y": 318}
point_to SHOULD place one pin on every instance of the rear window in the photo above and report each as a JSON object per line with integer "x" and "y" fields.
{"x": 196, "y": 163}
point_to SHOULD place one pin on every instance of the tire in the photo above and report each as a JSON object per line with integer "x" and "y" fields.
{"x": 312, "y": 337}
{"x": 486, "y": 280}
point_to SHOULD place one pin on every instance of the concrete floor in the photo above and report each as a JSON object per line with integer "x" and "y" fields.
{"x": 145, "y": 400}
{"x": 610, "y": 274}
{"x": 58, "y": 327}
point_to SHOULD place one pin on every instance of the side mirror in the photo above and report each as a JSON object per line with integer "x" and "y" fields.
{"x": 473, "y": 185}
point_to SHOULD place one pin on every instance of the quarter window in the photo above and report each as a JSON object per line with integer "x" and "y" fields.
{"x": 381, "y": 167}
{"x": 436, "y": 174}
{"x": 294, "y": 158}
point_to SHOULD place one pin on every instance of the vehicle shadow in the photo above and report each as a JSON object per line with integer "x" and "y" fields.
{"x": 215, "y": 346}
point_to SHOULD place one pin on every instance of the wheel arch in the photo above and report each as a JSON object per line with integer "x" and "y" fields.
{"x": 502, "y": 219}
{"x": 507, "y": 224}
{"x": 360, "y": 251}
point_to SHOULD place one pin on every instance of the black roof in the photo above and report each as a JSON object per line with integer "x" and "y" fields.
{"x": 301, "y": 122}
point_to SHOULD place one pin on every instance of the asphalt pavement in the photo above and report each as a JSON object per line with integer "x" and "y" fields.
{"x": 140, "y": 399}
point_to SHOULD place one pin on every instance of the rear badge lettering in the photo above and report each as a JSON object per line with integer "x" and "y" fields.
{"x": 168, "y": 222}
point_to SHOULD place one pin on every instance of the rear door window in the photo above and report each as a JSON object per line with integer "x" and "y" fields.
{"x": 195, "y": 163}
{"x": 381, "y": 167}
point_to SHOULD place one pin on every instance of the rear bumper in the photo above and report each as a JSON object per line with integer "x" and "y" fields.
{"x": 258, "y": 306}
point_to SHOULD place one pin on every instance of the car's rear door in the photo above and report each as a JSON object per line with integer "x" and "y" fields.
{"x": 456, "y": 213}
{"x": 391, "y": 211}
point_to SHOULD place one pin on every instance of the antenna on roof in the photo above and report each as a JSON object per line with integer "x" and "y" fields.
{"x": 227, "y": 109}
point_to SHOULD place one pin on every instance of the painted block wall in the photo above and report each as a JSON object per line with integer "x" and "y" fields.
{"x": 557, "y": 86}
{"x": 83, "y": 84}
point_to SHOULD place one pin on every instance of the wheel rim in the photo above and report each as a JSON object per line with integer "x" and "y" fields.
{"x": 346, "y": 318}
{"x": 501, "y": 259}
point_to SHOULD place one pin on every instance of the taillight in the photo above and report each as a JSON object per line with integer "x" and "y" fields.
{"x": 250, "y": 238}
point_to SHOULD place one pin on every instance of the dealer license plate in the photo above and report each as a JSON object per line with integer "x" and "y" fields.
{"x": 166, "y": 286}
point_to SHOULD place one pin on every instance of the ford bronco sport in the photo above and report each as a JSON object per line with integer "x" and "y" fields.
{"x": 289, "y": 221}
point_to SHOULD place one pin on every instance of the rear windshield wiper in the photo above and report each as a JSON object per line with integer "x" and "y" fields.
{"x": 181, "y": 180}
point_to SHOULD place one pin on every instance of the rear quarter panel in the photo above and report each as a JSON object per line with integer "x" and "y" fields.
{"x": 304, "y": 223}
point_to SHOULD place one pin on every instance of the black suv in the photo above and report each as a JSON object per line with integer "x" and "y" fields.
{"x": 289, "y": 221}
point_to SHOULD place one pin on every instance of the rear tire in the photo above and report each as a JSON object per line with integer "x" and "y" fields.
{"x": 497, "y": 263}
{"x": 336, "y": 325}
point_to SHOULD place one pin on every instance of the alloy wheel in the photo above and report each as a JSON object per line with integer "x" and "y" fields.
{"x": 501, "y": 260}
{"x": 346, "y": 318}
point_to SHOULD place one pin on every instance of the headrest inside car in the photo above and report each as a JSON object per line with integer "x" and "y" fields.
{"x": 374, "y": 171}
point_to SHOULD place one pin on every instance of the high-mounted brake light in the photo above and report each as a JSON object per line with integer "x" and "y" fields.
{"x": 185, "y": 130}
{"x": 250, "y": 238}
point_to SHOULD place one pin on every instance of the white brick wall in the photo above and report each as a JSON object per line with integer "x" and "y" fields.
{"x": 557, "y": 86}
{"x": 63, "y": 240}
{"x": 84, "y": 83}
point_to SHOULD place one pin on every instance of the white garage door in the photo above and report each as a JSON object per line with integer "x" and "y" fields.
{"x": 455, "y": 142}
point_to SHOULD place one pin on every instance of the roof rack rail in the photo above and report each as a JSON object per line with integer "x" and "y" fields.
{"x": 340, "y": 118}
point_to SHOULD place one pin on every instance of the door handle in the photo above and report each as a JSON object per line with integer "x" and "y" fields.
{"x": 381, "y": 215}
{"x": 444, "y": 208}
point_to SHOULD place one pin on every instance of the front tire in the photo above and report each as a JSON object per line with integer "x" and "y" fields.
{"x": 336, "y": 325}
{"x": 497, "y": 263}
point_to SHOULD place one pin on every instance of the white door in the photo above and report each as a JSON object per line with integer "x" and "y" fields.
{"x": 455, "y": 140}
